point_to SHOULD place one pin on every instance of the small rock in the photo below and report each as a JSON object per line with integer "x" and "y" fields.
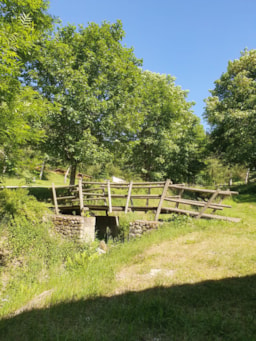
{"x": 103, "y": 246}
{"x": 100, "y": 251}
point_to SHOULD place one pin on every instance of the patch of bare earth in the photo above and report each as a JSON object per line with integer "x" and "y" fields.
{"x": 192, "y": 258}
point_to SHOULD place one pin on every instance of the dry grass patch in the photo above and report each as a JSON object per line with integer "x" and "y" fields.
{"x": 192, "y": 258}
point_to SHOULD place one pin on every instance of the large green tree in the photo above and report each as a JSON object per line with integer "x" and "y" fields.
{"x": 171, "y": 139}
{"x": 231, "y": 112}
{"x": 94, "y": 81}
{"x": 21, "y": 107}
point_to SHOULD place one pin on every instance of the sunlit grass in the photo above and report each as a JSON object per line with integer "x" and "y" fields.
{"x": 50, "y": 177}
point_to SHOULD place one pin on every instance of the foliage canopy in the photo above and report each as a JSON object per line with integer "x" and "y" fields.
{"x": 21, "y": 107}
{"x": 82, "y": 97}
{"x": 231, "y": 111}
{"x": 93, "y": 79}
{"x": 171, "y": 139}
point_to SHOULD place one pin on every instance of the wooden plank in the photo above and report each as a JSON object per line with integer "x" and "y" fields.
{"x": 55, "y": 199}
{"x": 201, "y": 190}
{"x": 92, "y": 189}
{"x": 46, "y": 187}
{"x": 146, "y": 196}
{"x": 103, "y": 208}
{"x": 128, "y": 197}
{"x": 219, "y": 202}
{"x": 81, "y": 199}
{"x": 123, "y": 184}
{"x": 147, "y": 186}
{"x": 92, "y": 194}
{"x": 144, "y": 209}
{"x": 166, "y": 186}
{"x": 109, "y": 198}
{"x": 67, "y": 197}
{"x": 67, "y": 186}
{"x": 208, "y": 203}
{"x": 180, "y": 195}
{"x": 150, "y": 183}
{"x": 91, "y": 199}
{"x": 195, "y": 214}
{"x": 197, "y": 203}
{"x": 105, "y": 200}
{"x": 135, "y": 196}
{"x": 149, "y": 192}
{"x": 95, "y": 183}
{"x": 172, "y": 197}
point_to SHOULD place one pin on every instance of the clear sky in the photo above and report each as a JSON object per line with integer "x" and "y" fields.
{"x": 192, "y": 40}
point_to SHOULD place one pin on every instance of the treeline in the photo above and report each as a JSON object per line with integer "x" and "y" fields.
{"x": 76, "y": 97}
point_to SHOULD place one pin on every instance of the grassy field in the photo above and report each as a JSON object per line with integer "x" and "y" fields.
{"x": 49, "y": 178}
{"x": 189, "y": 280}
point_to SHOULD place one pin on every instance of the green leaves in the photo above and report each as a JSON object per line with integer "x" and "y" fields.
{"x": 94, "y": 81}
{"x": 171, "y": 139}
{"x": 83, "y": 96}
{"x": 231, "y": 111}
{"x": 21, "y": 107}
{"x": 26, "y": 19}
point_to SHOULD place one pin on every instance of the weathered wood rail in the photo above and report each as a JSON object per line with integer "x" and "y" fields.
{"x": 121, "y": 197}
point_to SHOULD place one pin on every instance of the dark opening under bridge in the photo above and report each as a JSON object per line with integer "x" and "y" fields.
{"x": 159, "y": 197}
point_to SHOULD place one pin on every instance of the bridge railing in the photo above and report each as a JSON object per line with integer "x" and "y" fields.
{"x": 170, "y": 198}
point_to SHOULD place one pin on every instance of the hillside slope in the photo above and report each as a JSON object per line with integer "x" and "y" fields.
{"x": 190, "y": 280}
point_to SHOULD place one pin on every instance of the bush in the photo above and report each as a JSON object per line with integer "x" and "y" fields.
{"x": 18, "y": 203}
{"x": 22, "y": 220}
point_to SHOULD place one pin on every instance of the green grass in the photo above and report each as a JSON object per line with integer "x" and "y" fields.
{"x": 189, "y": 280}
{"x": 50, "y": 177}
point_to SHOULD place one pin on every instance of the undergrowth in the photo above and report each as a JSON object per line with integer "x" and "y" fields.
{"x": 31, "y": 252}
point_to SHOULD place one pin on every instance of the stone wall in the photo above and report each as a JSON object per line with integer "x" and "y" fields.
{"x": 83, "y": 228}
{"x": 75, "y": 227}
{"x": 138, "y": 227}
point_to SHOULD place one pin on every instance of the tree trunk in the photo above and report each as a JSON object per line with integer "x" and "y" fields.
{"x": 247, "y": 176}
{"x": 73, "y": 174}
{"x": 66, "y": 175}
{"x": 4, "y": 158}
{"x": 230, "y": 180}
{"x": 42, "y": 170}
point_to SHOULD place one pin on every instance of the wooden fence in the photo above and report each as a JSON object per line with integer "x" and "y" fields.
{"x": 114, "y": 197}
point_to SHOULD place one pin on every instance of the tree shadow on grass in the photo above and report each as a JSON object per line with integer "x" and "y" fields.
{"x": 245, "y": 198}
{"x": 211, "y": 310}
{"x": 247, "y": 193}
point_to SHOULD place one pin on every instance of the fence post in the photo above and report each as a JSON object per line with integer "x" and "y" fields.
{"x": 105, "y": 200}
{"x": 55, "y": 199}
{"x": 81, "y": 199}
{"x": 180, "y": 195}
{"x": 166, "y": 186}
{"x": 219, "y": 202}
{"x": 149, "y": 192}
{"x": 109, "y": 198}
{"x": 215, "y": 194}
{"x": 128, "y": 197}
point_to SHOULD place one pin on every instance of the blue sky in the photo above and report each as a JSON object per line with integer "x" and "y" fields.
{"x": 192, "y": 40}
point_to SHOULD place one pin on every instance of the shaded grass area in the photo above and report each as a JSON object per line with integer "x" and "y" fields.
{"x": 210, "y": 310}
{"x": 247, "y": 193}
